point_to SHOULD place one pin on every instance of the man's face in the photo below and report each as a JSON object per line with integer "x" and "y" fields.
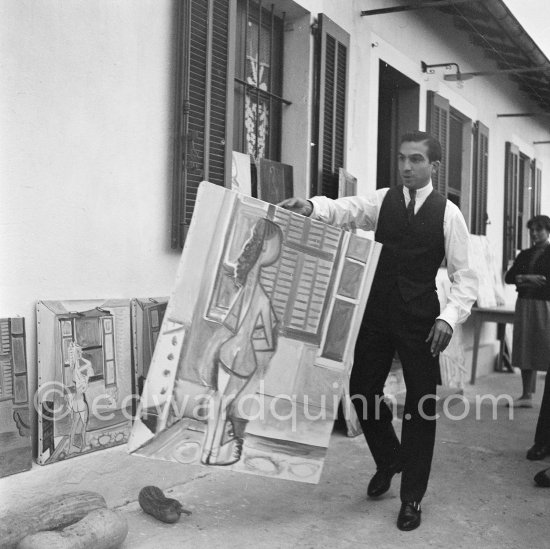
{"x": 414, "y": 167}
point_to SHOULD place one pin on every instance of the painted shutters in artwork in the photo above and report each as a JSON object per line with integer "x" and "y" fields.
{"x": 331, "y": 89}
{"x": 511, "y": 182}
{"x": 201, "y": 105}
{"x": 6, "y": 365}
{"x": 481, "y": 163}
{"x": 438, "y": 125}
{"x": 13, "y": 361}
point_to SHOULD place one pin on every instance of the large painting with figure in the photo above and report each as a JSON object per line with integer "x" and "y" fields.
{"x": 15, "y": 431}
{"x": 85, "y": 380}
{"x": 256, "y": 340}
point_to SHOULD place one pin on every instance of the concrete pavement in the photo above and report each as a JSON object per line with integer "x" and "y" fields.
{"x": 481, "y": 491}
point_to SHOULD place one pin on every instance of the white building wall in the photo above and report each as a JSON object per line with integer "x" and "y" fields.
{"x": 86, "y": 113}
{"x": 85, "y": 152}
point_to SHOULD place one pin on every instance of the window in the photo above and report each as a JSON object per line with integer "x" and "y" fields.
{"x": 511, "y": 179}
{"x": 524, "y": 202}
{"x": 480, "y": 179}
{"x": 438, "y": 125}
{"x": 332, "y": 46}
{"x": 203, "y": 53}
{"x": 228, "y": 97}
{"x": 454, "y": 188}
{"x": 536, "y": 174}
{"x": 454, "y": 131}
{"x": 521, "y": 200}
{"x": 258, "y": 81}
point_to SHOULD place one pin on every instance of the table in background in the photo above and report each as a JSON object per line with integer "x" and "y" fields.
{"x": 501, "y": 315}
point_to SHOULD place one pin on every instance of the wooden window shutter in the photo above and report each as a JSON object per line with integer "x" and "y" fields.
{"x": 438, "y": 125}
{"x": 203, "y": 46}
{"x": 511, "y": 179}
{"x": 330, "y": 120}
{"x": 481, "y": 164}
{"x": 536, "y": 187}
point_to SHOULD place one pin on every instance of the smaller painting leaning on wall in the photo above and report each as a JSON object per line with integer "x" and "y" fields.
{"x": 15, "y": 432}
{"x": 85, "y": 383}
{"x": 241, "y": 173}
{"x": 347, "y": 183}
{"x": 147, "y": 315}
{"x": 275, "y": 181}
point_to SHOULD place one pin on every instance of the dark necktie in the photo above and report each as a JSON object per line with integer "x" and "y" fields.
{"x": 412, "y": 202}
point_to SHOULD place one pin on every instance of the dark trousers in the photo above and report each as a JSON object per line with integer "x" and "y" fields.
{"x": 388, "y": 326}
{"x": 542, "y": 434}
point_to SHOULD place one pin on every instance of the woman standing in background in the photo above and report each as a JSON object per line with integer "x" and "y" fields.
{"x": 531, "y": 344}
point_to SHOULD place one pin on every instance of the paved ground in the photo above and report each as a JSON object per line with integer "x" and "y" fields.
{"x": 481, "y": 492}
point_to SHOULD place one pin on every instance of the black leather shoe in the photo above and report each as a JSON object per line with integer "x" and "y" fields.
{"x": 409, "y": 516}
{"x": 538, "y": 451}
{"x": 381, "y": 481}
{"x": 542, "y": 478}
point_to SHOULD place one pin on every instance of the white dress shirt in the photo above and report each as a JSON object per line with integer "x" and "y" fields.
{"x": 363, "y": 212}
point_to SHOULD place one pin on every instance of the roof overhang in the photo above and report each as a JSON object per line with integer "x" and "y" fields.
{"x": 491, "y": 26}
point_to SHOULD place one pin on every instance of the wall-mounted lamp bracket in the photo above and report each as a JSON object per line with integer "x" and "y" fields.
{"x": 456, "y": 76}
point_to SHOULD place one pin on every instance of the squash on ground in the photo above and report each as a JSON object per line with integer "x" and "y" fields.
{"x": 48, "y": 514}
{"x": 99, "y": 529}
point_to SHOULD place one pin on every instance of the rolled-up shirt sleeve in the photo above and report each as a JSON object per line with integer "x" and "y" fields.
{"x": 464, "y": 281}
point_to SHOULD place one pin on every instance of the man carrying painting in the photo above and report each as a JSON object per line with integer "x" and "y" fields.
{"x": 418, "y": 228}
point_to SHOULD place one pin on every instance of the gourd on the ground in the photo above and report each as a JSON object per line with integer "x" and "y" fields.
{"x": 99, "y": 529}
{"x": 48, "y": 514}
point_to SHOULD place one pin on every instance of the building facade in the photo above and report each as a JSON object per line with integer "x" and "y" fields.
{"x": 113, "y": 111}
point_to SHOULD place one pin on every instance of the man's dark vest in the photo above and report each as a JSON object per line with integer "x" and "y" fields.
{"x": 411, "y": 254}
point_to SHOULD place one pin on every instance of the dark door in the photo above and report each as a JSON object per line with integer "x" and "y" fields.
{"x": 398, "y": 104}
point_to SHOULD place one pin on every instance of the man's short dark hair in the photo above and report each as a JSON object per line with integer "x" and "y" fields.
{"x": 539, "y": 222}
{"x": 434, "y": 146}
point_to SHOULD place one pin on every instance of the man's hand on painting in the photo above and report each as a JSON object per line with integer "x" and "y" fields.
{"x": 297, "y": 205}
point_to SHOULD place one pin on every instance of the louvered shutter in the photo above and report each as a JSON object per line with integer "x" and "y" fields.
{"x": 331, "y": 85}
{"x": 438, "y": 125}
{"x": 201, "y": 105}
{"x": 511, "y": 178}
{"x": 481, "y": 163}
{"x": 536, "y": 187}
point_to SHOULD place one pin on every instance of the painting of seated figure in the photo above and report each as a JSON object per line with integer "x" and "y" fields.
{"x": 257, "y": 339}
{"x": 86, "y": 386}
{"x": 15, "y": 430}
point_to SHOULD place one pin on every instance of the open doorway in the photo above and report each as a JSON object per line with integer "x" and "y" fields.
{"x": 398, "y": 104}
